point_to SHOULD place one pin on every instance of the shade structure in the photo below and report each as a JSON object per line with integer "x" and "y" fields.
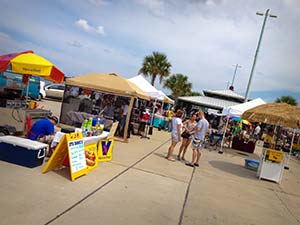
{"x": 237, "y": 110}
{"x": 280, "y": 114}
{"x": 144, "y": 85}
{"x": 111, "y": 82}
{"x": 29, "y": 63}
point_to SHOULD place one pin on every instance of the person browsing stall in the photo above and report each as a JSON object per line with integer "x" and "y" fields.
{"x": 125, "y": 108}
{"x": 176, "y": 133}
{"x": 42, "y": 129}
{"x": 170, "y": 114}
{"x": 187, "y": 135}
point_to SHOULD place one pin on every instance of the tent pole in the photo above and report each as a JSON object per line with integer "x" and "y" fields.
{"x": 291, "y": 148}
{"x": 153, "y": 110}
{"x": 128, "y": 118}
{"x": 222, "y": 142}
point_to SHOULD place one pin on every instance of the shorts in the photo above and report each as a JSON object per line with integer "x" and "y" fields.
{"x": 174, "y": 137}
{"x": 197, "y": 144}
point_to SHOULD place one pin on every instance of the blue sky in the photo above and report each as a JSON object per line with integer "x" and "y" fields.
{"x": 202, "y": 39}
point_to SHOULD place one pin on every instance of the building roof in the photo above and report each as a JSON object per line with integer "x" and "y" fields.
{"x": 226, "y": 93}
{"x": 210, "y": 102}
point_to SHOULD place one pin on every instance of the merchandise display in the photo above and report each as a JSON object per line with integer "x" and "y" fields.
{"x": 92, "y": 127}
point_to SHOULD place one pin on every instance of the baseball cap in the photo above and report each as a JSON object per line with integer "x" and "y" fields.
{"x": 53, "y": 118}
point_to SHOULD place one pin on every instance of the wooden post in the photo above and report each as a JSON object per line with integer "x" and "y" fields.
{"x": 128, "y": 118}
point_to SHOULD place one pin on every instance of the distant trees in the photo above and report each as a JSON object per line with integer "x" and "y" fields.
{"x": 155, "y": 65}
{"x": 179, "y": 85}
{"x": 287, "y": 99}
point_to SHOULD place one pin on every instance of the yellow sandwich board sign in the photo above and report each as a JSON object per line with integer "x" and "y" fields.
{"x": 70, "y": 145}
{"x": 105, "y": 148}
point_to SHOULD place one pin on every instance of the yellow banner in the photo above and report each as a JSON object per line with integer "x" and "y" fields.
{"x": 22, "y": 68}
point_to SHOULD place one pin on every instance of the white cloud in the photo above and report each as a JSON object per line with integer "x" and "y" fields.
{"x": 100, "y": 30}
{"x": 83, "y": 24}
{"x": 3, "y": 35}
{"x": 202, "y": 38}
{"x": 156, "y": 6}
{"x": 75, "y": 44}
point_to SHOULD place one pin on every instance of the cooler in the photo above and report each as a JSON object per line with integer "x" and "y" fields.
{"x": 251, "y": 164}
{"x": 22, "y": 151}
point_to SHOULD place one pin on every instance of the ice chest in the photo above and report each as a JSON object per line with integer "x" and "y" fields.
{"x": 22, "y": 151}
{"x": 252, "y": 164}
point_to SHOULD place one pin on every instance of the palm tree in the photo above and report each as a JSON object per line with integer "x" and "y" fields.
{"x": 156, "y": 65}
{"x": 287, "y": 99}
{"x": 179, "y": 85}
{"x": 195, "y": 93}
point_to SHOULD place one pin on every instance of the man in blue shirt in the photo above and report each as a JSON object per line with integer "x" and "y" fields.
{"x": 42, "y": 128}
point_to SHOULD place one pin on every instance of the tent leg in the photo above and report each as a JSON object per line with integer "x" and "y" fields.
{"x": 222, "y": 142}
{"x": 128, "y": 118}
{"x": 291, "y": 148}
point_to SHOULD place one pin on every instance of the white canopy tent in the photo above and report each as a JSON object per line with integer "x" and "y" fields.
{"x": 143, "y": 84}
{"x": 238, "y": 110}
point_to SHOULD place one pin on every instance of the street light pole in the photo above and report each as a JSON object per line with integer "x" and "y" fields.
{"x": 257, "y": 49}
{"x": 236, "y": 67}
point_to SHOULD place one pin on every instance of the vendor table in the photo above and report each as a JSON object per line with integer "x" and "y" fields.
{"x": 271, "y": 166}
{"x": 240, "y": 144}
{"x": 86, "y": 140}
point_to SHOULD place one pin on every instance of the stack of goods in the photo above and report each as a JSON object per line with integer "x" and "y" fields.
{"x": 92, "y": 127}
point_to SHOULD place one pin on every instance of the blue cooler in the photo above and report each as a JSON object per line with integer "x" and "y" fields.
{"x": 252, "y": 164}
{"x": 22, "y": 151}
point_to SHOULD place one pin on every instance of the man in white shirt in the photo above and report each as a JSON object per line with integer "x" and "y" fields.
{"x": 257, "y": 131}
{"x": 198, "y": 139}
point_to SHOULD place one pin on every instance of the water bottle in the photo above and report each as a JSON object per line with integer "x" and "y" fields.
{"x": 84, "y": 128}
{"x": 89, "y": 125}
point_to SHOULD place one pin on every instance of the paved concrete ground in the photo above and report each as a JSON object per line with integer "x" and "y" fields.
{"x": 141, "y": 187}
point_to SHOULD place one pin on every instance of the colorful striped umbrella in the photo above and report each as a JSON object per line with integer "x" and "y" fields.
{"x": 29, "y": 63}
